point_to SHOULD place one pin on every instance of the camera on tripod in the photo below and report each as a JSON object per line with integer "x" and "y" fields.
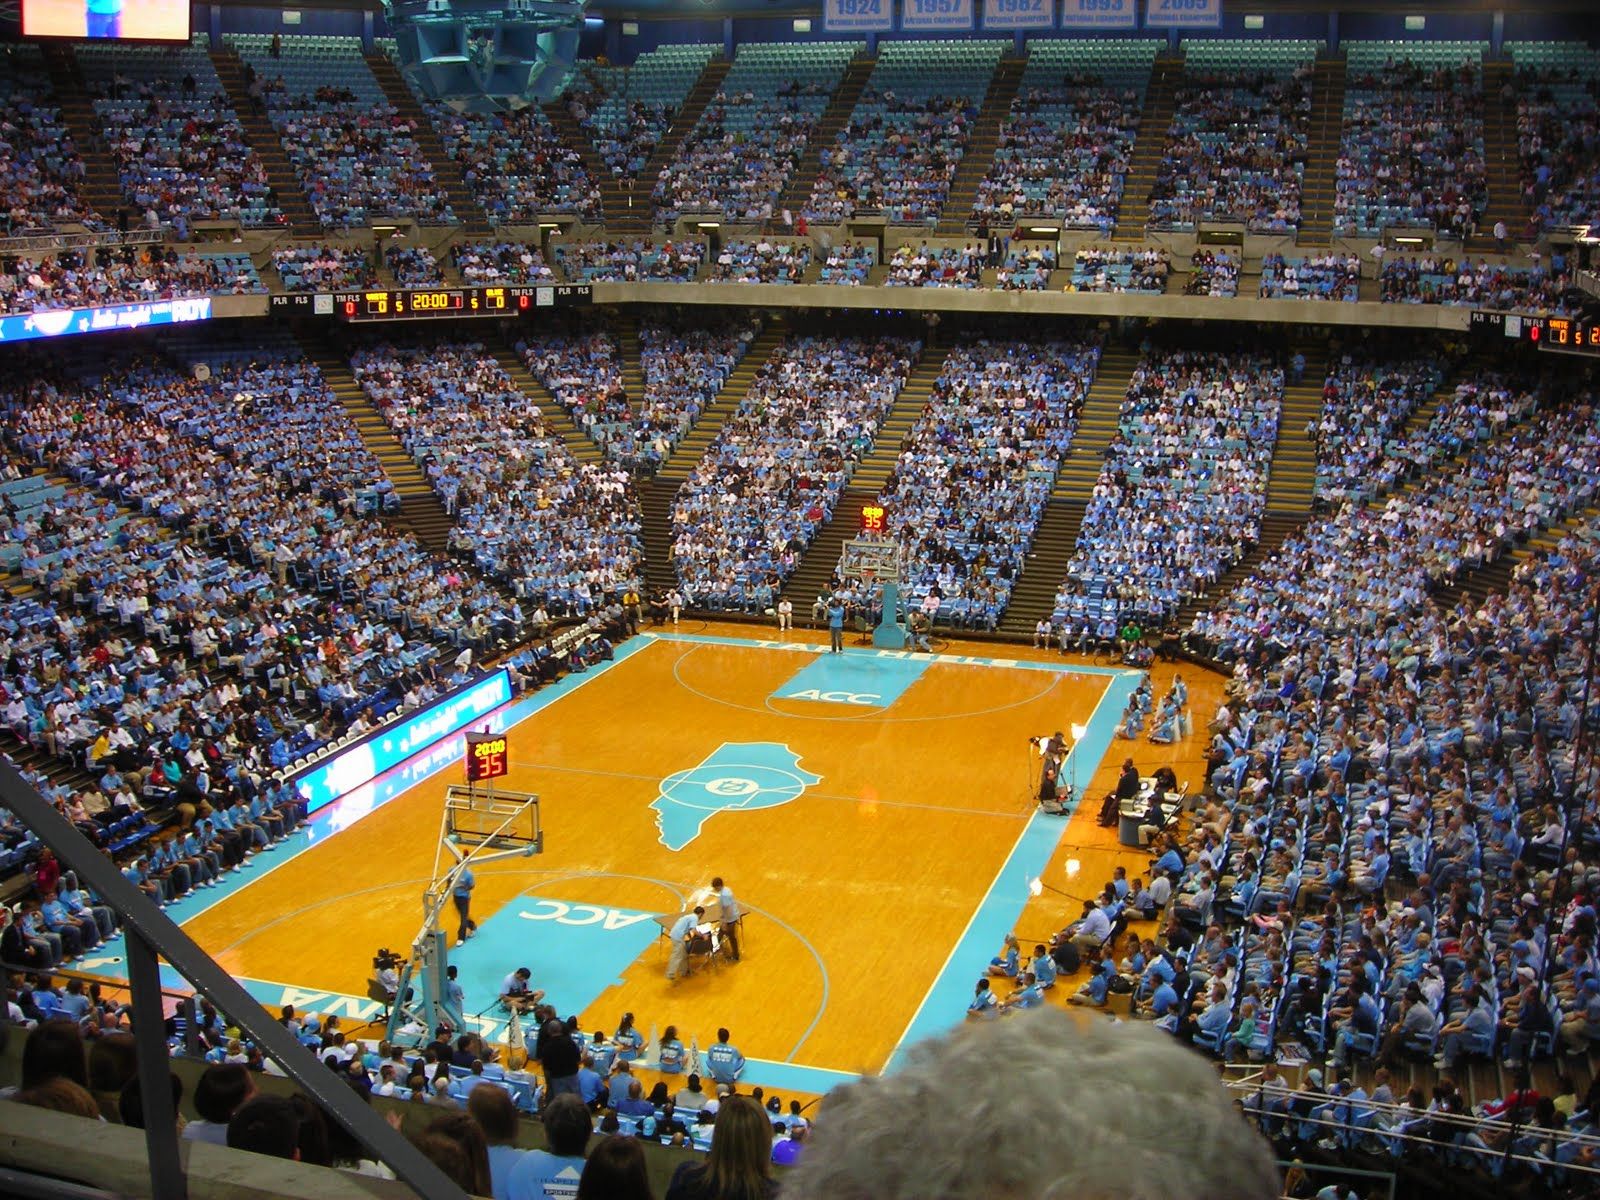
{"x": 386, "y": 959}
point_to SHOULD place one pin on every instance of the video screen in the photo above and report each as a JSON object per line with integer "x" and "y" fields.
{"x": 124, "y": 20}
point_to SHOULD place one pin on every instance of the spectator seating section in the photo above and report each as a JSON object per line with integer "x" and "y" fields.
{"x": 501, "y": 262}
{"x": 40, "y": 168}
{"x": 751, "y": 137}
{"x": 122, "y": 275}
{"x": 1066, "y": 147}
{"x": 357, "y": 157}
{"x": 1433, "y": 279}
{"x": 1213, "y": 273}
{"x": 630, "y": 108}
{"x": 771, "y": 478}
{"x": 516, "y": 164}
{"x": 323, "y": 268}
{"x": 1119, "y": 269}
{"x": 672, "y": 261}
{"x": 180, "y": 150}
{"x": 1183, "y": 488}
{"x": 849, "y": 264}
{"x": 1328, "y": 276}
{"x": 1236, "y": 148}
{"x": 974, "y": 475}
{"x": 1558, "y": 130}
{"x": 935, "y": 266}
{"x": 765, "y": 260}
{"x": 907, "y": 133}
{"x": 1365, "y": 404}
{"x": 1027, "y": 267}
{"x": 413, "y": 266}
{"x": 1412, "y": 150}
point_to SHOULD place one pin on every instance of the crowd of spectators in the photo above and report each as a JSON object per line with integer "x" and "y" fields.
{"x": 849, "y": 264}
{"x": 185, "y": 157}
{"x": 673, "y": 261}
{"x": 1208, "y": 171}
{"x": 1314, "y": 277}
{"x": 1064, "y": 152}
{"x": 41, "y": 171}
{"x": 501, "y": 262}
{"x": 324, "y": 268}
{"x": 740, "y": 153}
{"x": 1441, "y": 279}
{"x": 1109, "y": 269}
{"x": 1026, "y": 267}
{"x": 1366, "y": 401}
{"x": 1558, "y": 145}
{"x": 974, "y": 475}
{"x": 935, "y": 266}
{"x": 516, "y": 164}
{"x": 1183, "y": 489}
{"x": 1412, "y": 151}
{"x": 562, "y": 533}
{"x": 129, "y": 274}
{"x": 1212, "y": 273}
{"x": 760, "y": 261}
{"x": 413, "y": 266}
{"x": 625, "y": 139}
{"x": 752, "y": 505}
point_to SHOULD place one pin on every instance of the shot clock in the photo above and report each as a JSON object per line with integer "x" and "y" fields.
{"x": 873, "y": 519}
{"x": 487, "y": 758}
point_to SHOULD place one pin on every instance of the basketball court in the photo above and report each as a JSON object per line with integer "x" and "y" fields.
{"x": 873, "y": 812}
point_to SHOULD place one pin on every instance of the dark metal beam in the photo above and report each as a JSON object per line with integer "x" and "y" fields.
{"x": 142, "y": 919}
{"x": 155, "y": 1085}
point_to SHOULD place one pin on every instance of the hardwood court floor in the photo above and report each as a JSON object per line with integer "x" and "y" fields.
{"x": 858, "y": 888}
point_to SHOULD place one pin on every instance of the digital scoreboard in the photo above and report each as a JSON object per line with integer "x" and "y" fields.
{"x": 1560, "y": 335}
{"x": 486, "y": 757}
{"x": 873, "y": 520}
{"x": 420, "y": 304}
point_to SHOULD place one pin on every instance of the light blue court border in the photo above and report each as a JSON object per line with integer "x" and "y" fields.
{"x": 944, "y": 1007}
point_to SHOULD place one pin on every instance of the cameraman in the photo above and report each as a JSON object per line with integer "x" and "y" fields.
{"x": 386, "y": 965}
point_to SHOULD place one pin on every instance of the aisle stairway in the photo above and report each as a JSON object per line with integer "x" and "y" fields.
{"x": 1325, "y": 134}
{"x": 1275, "y": 528}
{"x": 99, "y": 188}
{"x": 1097, "y": 425}
{"x": 264, "y": 140}
{"x": 1159, "y": 105}
{"x": 817, "y": 566}
{"x": 640, "y": 217}
{"x": 655, "y": 503}
{"x": 556, "y": 419}
{"x": 625, "y": 328}
{"x": 420, "y": 510}
{"x": 978, "y": 156}
{"x": 1034, "y": 593}
{"x": 1501, "y": 161}
{"x": 1292, "y": 474}
{"x": 463, "y": 204}
{"x": 834, "y": 118}
{"x": 688, "y": 452}
{"x": 1496, "y": 576}
{"x": 874, "y": 470}
{"x": 613, "y": 198}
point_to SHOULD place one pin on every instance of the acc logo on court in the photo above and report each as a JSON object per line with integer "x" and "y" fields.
{"x": 870, "y": 699}
{"x": 735, "y": 776}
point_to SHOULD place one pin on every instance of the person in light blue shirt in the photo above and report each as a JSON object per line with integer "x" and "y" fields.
{"x": 670, "y": 1052}
{"x": 591, "y": 1083}
{"x": 682, "y": 930}
{"x": 724, "y": 1063}
{"x": 983, "y": 1001}
{"x": 1027, "y": 994}
{"x": 455, "y": 997}
{"x": 547, "y": 1174}
{"x": 617, "y": 1085}
{"x": 1043, "y": 967}
{"x": 76, "y": 935}
{"x": 835, "y": 626}
{"x": 628, "y": 1040}
{"x": 603, "y": 1052}
{"x": 1008, "y": 962}
{"x": 461, "y": 895}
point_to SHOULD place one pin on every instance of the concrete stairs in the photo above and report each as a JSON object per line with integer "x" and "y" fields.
{"x": 873, "y": 471}
{"x": 1097, "y": 425}
{"x": 1292, "y": 475}
{"x": 834, "y": 118}
{"x": 625, "y": 328}
{"x": 686, "y": 455}
{"x": 100, "y": 188}
{"x": 462, "y": 202}
{"x": 1160, "y": 103}
{"x": 612, "y": 197}
{"x": 1276, "y": 527}
{"x": 420, "y": 510}
{"x": 1325, "y": 134}
{"x": 1501, "y": 161}
{"x": 640, "y": 217}
{"x": 655, "y": 504}
{"x": 1033, "y": 594}
{"x": 981, "y": 143}
{"x": 822, "y": 557}
{"x": 1496, "y": 576}
{"x": 555, "y": 417}
{"x": 264, "y": 140}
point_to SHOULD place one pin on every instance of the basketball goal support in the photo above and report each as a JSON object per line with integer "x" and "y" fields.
{"x": 479, "y": 826}
{"x": 878, "y": 560}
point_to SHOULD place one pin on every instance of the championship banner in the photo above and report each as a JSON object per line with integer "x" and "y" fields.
{"x": 918, "y": 16}
{"x": 858, "y": 16}
{"x": 1183, "y": 14}
{"x": 1099, "y": 14}
{"x": 1021, "y": 14}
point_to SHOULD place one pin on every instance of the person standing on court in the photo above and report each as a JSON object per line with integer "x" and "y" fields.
{"x": 731, "y": 912}
{"x": 682, "y": 931}
{"x": 461, "y": 893}
{"x": 835, "y": 626}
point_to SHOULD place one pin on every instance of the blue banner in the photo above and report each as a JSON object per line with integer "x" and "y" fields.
{"x": 858, "y": 16}
{"x": 360, "y": 764}
{"x": 62, "y": 322}
{"x": 1099, "y": 14}
{"x": 1183, "y": 14}
{"x": 920, "y": 15}
{"x": 1019, "y": 14}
